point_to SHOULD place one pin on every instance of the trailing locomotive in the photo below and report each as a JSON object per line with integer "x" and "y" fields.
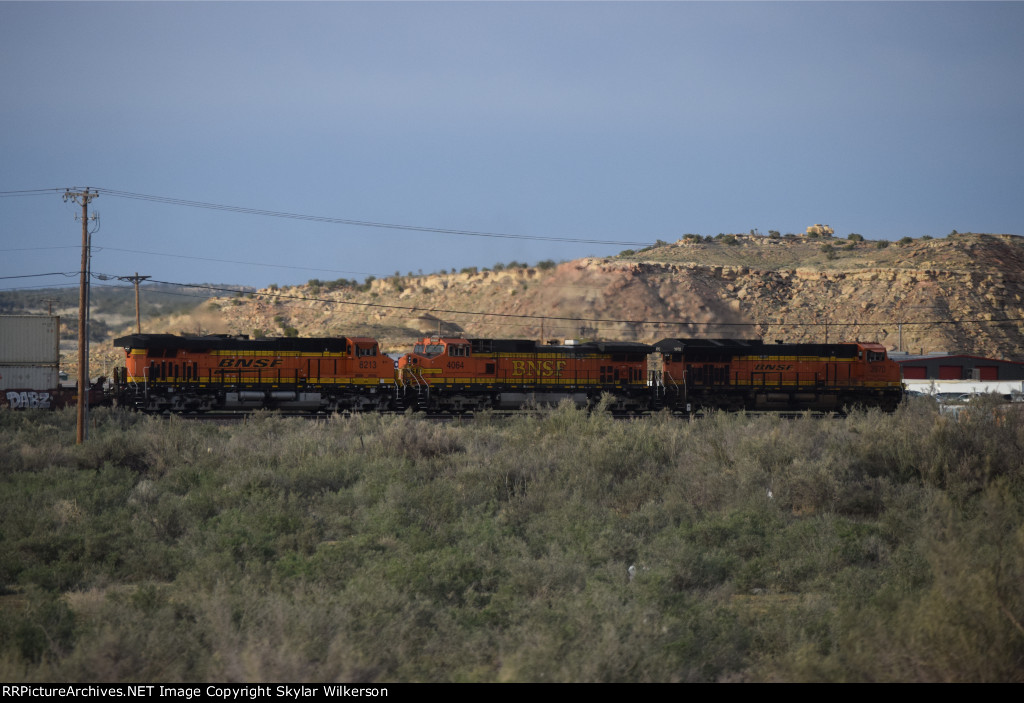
{"x": 729, "y": 374}
{"x": 456, "y": 374}
{"x": 452, "y": 374}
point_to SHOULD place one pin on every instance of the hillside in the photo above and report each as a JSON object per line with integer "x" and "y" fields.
{"x": 950, "y": 294}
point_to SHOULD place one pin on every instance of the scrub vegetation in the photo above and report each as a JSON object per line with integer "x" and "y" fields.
{"x": 557, "y": 546}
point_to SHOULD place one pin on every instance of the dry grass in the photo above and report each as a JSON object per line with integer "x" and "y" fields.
{"x": 381, "y": 548}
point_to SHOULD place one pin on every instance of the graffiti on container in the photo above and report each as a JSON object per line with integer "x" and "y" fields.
{"x": 20, "y": 400}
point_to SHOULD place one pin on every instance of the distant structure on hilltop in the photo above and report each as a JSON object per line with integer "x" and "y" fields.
{"x": 822, "y": 230}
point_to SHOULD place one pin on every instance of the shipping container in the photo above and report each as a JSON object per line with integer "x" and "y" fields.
{"x": 27, "y": 340}
{"x": 24, "y": 377}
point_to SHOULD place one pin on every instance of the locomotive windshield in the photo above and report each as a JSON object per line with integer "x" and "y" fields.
{"x": 428, "y": 350}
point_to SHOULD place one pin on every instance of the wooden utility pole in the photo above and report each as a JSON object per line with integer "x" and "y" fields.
{"x": 136, "y": 279}
{"x": 83, "y": 198}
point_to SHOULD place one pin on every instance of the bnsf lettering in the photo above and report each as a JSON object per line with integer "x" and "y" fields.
{"x": 537, "y": 368}
{"x": 773, "y": 367}
{"x": 249, "y": 363}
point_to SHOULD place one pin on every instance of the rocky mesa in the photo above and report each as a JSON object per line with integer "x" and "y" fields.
{"x": 959, "y": 293}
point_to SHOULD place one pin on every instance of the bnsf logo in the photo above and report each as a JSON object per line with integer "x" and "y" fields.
{"x": 249, "y": 363}
{"x": 538, "y": 368}
{"x": 773, "y": 367}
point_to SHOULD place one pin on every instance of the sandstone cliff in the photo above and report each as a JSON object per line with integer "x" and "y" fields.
{"x": 961, "y": 293}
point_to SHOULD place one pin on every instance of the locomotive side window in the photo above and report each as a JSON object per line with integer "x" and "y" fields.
{"x": 875, "y": 356}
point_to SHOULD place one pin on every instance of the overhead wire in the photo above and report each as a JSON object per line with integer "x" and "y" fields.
{"x": 358, "y": 223}
{"x": 33, "y": 191}
{"x": 229, "y": 261}
{"x": 37, "y": 275}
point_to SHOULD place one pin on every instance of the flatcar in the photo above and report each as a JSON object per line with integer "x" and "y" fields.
{"x": 454, "y": 374}
{"x": 165, "y": 372}
{"x": 730, "y": 374}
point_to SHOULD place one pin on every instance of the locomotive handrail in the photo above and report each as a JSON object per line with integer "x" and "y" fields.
{"x": 669, "y": 374}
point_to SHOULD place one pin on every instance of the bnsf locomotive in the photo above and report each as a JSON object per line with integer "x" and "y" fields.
{"x": 219, "y": 372}
{"x": 731, "y": 374}
{"x": 454, "y": 374}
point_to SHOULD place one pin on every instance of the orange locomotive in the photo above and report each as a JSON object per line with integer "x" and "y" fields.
{"x": 221, "y": 372}
{"x": 454, "y": 374}
{"x": 733, "y": 374}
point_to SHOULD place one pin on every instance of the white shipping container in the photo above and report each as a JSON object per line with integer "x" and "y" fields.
{"x": 24, "y": 377}
{"x": 29, "y": 339}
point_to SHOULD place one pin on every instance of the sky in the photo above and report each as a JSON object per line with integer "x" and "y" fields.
{"x": 609, "y": 124}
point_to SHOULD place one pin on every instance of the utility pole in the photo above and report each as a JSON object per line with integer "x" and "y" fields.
{"x": 83, "y": 197}
{"x": 136, "y": 279}
{"x": 49, "y": 304}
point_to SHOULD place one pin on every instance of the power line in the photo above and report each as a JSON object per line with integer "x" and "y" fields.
{"x": 34, "y": 191}
{"x": 38, "y": 248}
{"x": 229, "y": 261}
{"x": 37, "y": 275}
{"x": 358, "y": 223}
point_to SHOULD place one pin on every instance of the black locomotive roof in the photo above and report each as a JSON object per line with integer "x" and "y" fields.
{"x": 530, "y": 346}
{"x": 736, "y": 347}
{"x": 227, "y": 342}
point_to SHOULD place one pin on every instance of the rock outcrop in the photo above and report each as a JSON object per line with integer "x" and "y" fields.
{"x": 961, "y": 293}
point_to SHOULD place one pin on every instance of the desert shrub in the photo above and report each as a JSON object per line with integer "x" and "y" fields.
{"x": 389, "y": 548}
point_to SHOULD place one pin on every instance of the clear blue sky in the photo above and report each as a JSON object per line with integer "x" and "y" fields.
{"x": 598, "y": 121}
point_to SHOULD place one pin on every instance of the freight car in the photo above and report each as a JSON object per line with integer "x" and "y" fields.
{"x": 453, "y": 374}
{"x": 730, "y": 374}
{"x": 166, "y": 372}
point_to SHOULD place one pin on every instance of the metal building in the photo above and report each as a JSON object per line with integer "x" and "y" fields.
{"x": 957, "y": 367}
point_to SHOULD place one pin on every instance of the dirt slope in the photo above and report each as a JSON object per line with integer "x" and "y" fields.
{"x": 950, "y": 294}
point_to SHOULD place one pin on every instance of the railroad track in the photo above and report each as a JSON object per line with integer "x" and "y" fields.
{"x": 244, "y": 416}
